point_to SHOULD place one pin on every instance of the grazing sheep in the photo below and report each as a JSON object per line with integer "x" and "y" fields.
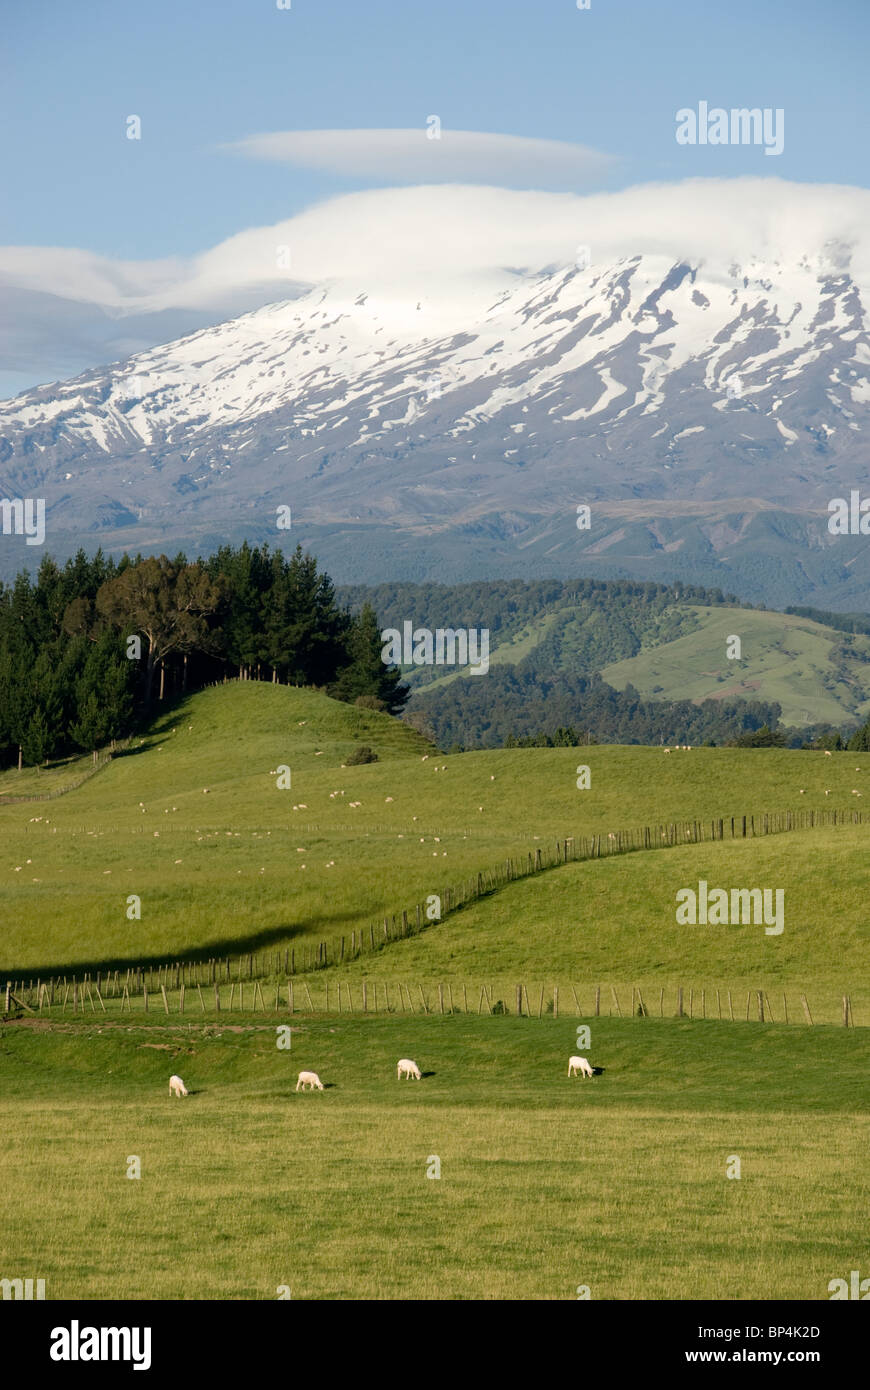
{"x": 827, "y": 754}
{"x": 405, "y": 1067}
{"x": 308, "y": 1080}
{"x": 580, "y": 1064}
{"x": 177, "y": 1086}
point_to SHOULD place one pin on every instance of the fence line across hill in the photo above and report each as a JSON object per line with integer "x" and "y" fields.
{"x": 100, "y": 762}
{"x": 338, "y": 997}
{"x": 320, "y": 955}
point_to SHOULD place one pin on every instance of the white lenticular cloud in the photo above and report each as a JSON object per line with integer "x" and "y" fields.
{"x": 450, "y": 244}
{"x": 432, "y": 154}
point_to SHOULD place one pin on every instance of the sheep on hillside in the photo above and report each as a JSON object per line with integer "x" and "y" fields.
{"x": 308, "y": 1080}
{"x": 405, "y": 1067}
{"x": 177, "y": 1086}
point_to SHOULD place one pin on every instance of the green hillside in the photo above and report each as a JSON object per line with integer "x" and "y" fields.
{"x": 247, "y": 1188}
{"x": 613, "y": 921}
{"x": 817, "y": 674}
{"x": 246, "y": 866}
{"x": 668, "y": 645}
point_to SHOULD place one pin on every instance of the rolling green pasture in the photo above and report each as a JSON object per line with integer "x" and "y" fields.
{"x": 247, "y": 866}
{"x": 784, "y": 658}
{"x": 546, "y": 1184}
{"x": 613, "y": 921}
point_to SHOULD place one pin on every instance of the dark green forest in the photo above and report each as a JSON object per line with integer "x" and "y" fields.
{"x": 521, "y": 707}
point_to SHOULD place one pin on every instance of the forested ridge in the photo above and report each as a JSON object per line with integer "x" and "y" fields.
{"x": 87, "y": 649}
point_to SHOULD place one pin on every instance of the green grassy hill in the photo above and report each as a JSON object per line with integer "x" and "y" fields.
{"x": 246, "y": 866}
{"x": 247, "y": 1187}
{"x": 816, "y": 674}
{"x": 613, "y": 921}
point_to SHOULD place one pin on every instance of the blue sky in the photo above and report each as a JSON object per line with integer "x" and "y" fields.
{"x": 203, "y": 73}
{"x": 115, "y": 231}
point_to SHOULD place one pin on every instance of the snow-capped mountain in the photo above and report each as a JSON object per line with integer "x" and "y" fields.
{"x": 658, "y": 392}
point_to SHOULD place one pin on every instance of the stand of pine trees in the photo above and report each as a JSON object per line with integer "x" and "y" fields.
{"x": 88, "y": 650}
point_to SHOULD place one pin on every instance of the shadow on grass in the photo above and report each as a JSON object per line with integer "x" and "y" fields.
{"x": 218, "y": 951}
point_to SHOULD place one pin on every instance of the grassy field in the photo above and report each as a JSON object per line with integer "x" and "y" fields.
{"x": 614, "y": 921}
{"x": 52, "y": 778}
{"x": 546, "y": 1184}
{"x": 783, "y": 657}
{"x": 247, "y": 866}
{"x": 618, "y": 1184}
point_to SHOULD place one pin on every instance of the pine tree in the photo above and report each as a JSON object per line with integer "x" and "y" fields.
{"x": 366, "y": 675}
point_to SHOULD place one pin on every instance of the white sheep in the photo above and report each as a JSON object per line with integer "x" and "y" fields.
{"x": 580, "y": 1064}
{"x": 308, "y": 1080}
{"x": 405, "y": 1067}
{"x": 177, "y": 1086}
